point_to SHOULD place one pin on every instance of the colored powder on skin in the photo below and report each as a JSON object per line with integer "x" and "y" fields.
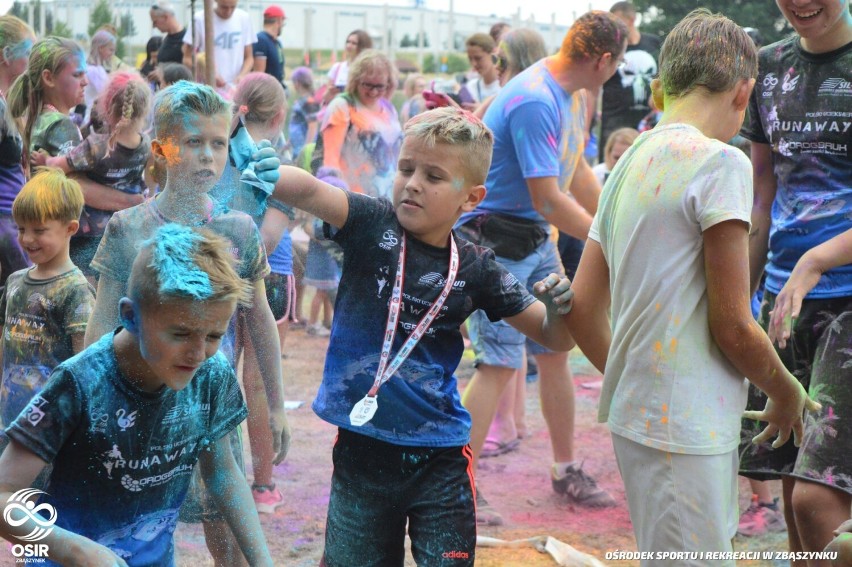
{"x": 172, "y": 258}
{"x": 20, "y": 50}
{"x": 458, "y": 183}
{"x": 171, "y": 151}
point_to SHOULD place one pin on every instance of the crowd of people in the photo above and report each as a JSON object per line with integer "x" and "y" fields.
{"x": 147, "y": 254}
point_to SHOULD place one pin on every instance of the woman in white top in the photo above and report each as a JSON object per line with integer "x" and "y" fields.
{"x": 480, "y": 50}
{"x": 99, "y": 65}
{"x": 338, "y": 76}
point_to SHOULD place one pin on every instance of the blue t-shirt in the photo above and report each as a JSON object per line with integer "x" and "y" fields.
{"x": 800, "y": 106}
{"x": 420, "y": 404}
{"x": 269, "y": 47}
{"x": 538, "y": 132}
{"x": 304, "y": 112}
{"x": 122, "y": 457}
{"x": 281, "y": 259}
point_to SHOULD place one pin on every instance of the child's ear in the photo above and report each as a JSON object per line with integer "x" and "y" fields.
{"x": 742, "y": 93}
{"x": 128, "y": 315}
{"x": 72, "y": 227}
{"x": 47, "y": 78}
{"x": 474, "y": 197}
{"x": 657, "y": 94}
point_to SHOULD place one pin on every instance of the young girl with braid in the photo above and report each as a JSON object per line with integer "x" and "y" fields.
{"x": 116, "y": 159}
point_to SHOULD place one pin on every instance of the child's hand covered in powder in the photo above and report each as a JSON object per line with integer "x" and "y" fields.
{"x": 556, "y": 293}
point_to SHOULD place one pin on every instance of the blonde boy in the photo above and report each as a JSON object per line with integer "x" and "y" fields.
{"x": 126, "y": 421}
{"x": 669, "y": 249}
{"x": 401, "y": 455}
{"x": 191, "y": 132}
{"x": 44, "y": 309}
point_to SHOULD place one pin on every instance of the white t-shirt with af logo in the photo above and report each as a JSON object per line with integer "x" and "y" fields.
{"x": 231, "y": 38}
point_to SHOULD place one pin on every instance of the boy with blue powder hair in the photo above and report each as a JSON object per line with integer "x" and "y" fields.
{"x": 668, "y": 249}
{"x": 191, "y": 137}
{"x": 127, "y": 420}
{"x": 408, "y": 283}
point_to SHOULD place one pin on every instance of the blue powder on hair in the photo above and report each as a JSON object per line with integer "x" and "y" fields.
{"x": 171, "y": 256}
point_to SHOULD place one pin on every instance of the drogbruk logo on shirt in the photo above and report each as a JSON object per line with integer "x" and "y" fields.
{"x": 835, "y": 86}
{"x": 21, "y": 508}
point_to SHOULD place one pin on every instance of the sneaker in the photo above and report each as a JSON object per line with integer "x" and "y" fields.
{"x": 580, "y": 488}
{"x": 318, "y": 331}
{"x": 761, "y": 518}
{"x": 266, "y": 498}
{"x": 485, "y": 513}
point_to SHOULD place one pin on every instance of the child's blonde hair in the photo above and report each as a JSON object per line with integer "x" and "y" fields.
{"x": 181, "y": 262}
{"x": 706, "y": 50}
{"x": 125, "y": 100}
{"x": 368, "y": 61}
{"x": 26, "y": 96}
{"x": 260, "y": 98}
{"x": 174, "y": 104}
{"x": 456, "y": 127}
{"x": 625, "y": 135}
{"x": 49, "y": 195}
{"x": 100, "y": 39}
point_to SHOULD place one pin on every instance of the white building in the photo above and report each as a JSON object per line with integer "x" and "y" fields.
{"x": 318, "y": 25}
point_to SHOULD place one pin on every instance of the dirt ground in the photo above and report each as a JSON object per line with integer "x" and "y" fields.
{"x": 517, "y": 484}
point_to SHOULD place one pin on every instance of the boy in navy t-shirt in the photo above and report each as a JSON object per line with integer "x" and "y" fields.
{"x": 408, "y": 283}
{"x": 126, "y": 421}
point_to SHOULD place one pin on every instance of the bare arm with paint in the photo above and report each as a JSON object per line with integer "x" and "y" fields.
{"x": 303, "y": 191}
{"x": 272, "y": 228}
{"x": 742, "y": 341}
{"x": 41, "y": 157}
{"x": 585, "y": 187}
{"x": 19, "y": 467}
{"x": 231, "y": 493}
{"x": 558, "y": 208}
{"x": 805, "y": 275}
{"x": 544, "y": 321}
{"x": 104, "y": 316}
{"x": 765, "y": 187}
{"x": 104, "y": 197}
{"x": 264, "y": 337}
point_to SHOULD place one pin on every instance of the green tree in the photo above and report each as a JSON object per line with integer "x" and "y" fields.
{"x": 101, "y": 15}
{"x": 126, "y": 28}
{"x": 660, "y": 16}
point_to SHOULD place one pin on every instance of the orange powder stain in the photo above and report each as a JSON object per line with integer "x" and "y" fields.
{"x": 171, "y": 152}
{"x": 657, "y": 307}
{"x": 658, "y": 347}
{"x": 642, "y": 410}
{"x": 713, "y": 435}
{"x": 665, "y": 408}
{"x": 664, "y": 419}
{"x": 647, "y": 425}
{"x": 673, "y": 345}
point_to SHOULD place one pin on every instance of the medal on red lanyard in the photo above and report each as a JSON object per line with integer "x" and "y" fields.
{"x": 366, "y": 408}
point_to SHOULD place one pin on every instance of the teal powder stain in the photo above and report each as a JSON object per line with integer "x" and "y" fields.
{"x": 458, "y": 183}
{"x": 172, "y": 251}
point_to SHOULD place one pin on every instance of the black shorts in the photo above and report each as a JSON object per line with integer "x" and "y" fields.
{"x": 377, "y": 488}
{"x": 818, "y": 354}
{"x": 281, "y": 295}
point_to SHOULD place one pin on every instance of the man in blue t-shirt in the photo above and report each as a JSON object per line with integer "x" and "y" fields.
{"x": 538, "y": 124}
{"x": 268, "y": 51}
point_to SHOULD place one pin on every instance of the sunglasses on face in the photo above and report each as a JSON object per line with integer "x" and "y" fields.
{"x": 500, "y": 61}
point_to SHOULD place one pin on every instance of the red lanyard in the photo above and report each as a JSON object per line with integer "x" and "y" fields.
{"x": 366, "y": 407}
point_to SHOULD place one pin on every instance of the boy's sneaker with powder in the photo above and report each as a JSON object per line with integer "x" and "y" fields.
{"x": 579, "y": 487}
{"x": 266, "y": 498}
{"x": 761, "y": 518}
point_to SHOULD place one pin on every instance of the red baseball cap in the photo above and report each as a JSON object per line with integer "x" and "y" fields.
{"x": 274, "y": 12}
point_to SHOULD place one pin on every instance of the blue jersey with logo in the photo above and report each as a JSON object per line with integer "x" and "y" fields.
{"x": 420, "y": 404}
{"x": 802, "y": 107}
{"x": 122, "y": 458}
